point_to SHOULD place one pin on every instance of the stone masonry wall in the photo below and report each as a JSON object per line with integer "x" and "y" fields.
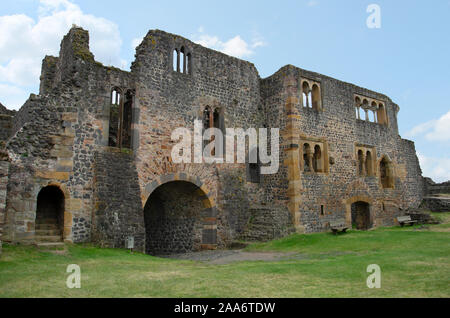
{"x": 168, "y": 99}
{"x": 118, "y": 210}
{"x": 333, "y": 191}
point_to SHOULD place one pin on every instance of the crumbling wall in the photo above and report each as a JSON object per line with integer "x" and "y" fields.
{"x": 6, "y": 122}
{"x": 55, "y": 136}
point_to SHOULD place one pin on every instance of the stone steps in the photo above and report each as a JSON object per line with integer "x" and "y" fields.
{"x": 48, "y": 232}
{"x": 46, "y": 227}
{"x": 50, "y": 245}
{"x": 48, "y": 238}
{"x": 47, "y": 221}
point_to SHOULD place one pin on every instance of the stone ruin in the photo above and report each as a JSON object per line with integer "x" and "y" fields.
{"x": 89, "y": 158}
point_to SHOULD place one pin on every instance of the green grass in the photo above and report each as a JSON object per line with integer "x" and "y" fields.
{"x": 415, "y": 262}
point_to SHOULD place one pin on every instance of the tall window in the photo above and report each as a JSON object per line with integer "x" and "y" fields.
{"x": 212, "y": 118}
{"x": 254, "y": 168}
{"x": 310, "y": 94}
{"x": 317, "y": 162}
{"x": 307, "y": 158}
{"x": 369, "y": 165}
{"x": 316, "y": 98}
{"x": 120, "y": 117}
{"x": 386, "y": 173}
{"x": 306, "y": 95}
{"x": 381, "y": 114}
{"x": 182, "y": 61}
{"x": 360, "y": 163}
{"x": 176, "y": 61}
{"x": 114, "y": 114}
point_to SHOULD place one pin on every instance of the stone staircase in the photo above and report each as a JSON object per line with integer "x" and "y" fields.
{"x": 48, "y": 233}
{"x": 267, "y": 222}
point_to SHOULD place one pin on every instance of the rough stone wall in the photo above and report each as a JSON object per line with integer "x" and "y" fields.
{"x": 55, "y": 136}
{"x": 432, "y": 188}
{"x": 4, "y": 171}
{"x": 436, "y": 195}
{"x": 6, "y": 122}
{"x": 168, "y": 100}
{"x": 337, "y": 125}
{"x": 118, "y": 211}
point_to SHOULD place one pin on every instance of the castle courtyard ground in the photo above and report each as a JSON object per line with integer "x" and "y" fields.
{"x": 414, "y": 262}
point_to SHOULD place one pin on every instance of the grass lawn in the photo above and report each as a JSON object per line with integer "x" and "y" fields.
{"x": 414, "y": 261}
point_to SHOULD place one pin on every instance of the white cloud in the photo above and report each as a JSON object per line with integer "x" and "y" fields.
{"x": 12, "y": 96}
{"x": 135, "y": 42}
{"x": 437, "y": 169}
{"x": 433, "y": 130}
{"x": 235, "y": 46}
{"x": 24, "y": 42}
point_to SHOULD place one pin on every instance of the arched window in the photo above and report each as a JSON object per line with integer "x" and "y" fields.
{"x": 317, "y": 159}
{"x": 126, "y": 120}
{"x": 316, "y": 98}
{"x": 114, "y": 117}
{"x": 182, "y": 61}
{"x": 369, "y": 168}
{"x": 360, "y": 163}
{"x": 386, "y": 173}
{"x": 305, "y": 94}
{"x": 120, "y": 117}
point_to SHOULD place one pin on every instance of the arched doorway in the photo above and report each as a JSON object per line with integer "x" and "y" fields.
{"x": 175, "y": 219}
{"x": 361, "y": 215}
{"x": 50, "y": 214}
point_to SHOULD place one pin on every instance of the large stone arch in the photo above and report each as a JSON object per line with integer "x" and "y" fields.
{"x": 200, "y": 198}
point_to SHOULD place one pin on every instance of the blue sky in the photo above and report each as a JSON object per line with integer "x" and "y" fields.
{"x": 406, "y": 59}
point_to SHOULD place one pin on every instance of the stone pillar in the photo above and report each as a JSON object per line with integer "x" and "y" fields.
{"x": 363, "y": 172}
{"x": 291, "y": 136}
